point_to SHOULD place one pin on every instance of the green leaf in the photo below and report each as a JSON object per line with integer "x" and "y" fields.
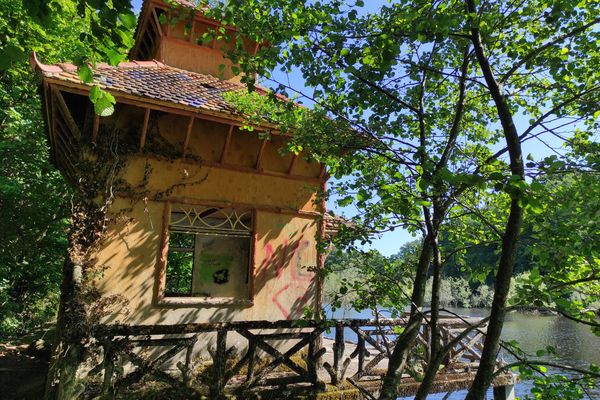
{"x": 128, "y": 19}
{"x": 103, "y": 107}
{"x": 85, "y": 74}
{"x": 114, "y": 57}
{"x": 95, "y": 93}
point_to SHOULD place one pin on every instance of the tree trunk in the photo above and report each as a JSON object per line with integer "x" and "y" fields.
{"x": 487, "y": 364}
{"x": 72, "y": 329}
{"x": 399, "y": 355}
{"x": 435, "y": 358}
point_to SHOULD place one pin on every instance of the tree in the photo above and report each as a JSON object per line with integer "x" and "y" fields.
{"x": 431, "y": 90}
{"x": 34, "y": 199}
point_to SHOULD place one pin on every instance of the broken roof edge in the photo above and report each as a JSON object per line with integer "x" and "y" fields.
{"x": 47, "y": 71}
{"x": 38, "y": 66}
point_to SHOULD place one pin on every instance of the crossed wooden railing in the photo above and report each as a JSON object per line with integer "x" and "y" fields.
{"x": 264, "y": 355}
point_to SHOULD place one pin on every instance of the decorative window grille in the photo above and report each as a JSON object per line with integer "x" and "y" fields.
{"x": 212, "y": 221}
{"x": 209, "y": 252}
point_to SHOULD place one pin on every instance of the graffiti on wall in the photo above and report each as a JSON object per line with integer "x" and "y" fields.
{"x": 290, "y": 256}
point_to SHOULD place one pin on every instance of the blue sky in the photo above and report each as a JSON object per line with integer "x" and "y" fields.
{"x": 390, "y": 243}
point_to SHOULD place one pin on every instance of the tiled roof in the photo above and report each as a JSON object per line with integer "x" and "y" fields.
{"x": 152, "y": 80}
{"x": 189, "y": 3}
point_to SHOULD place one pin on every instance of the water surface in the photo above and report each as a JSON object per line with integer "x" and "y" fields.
{"x": 575, "y": 344}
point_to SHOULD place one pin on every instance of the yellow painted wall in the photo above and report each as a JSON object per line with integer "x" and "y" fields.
{"x": 285, "y": 245}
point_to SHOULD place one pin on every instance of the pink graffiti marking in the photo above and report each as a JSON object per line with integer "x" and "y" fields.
{"x": 300, "y": 300}
{"x": 277, "y": 262}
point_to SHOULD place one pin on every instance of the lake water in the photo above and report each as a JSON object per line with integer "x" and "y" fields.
{"x": 575, "y": 344}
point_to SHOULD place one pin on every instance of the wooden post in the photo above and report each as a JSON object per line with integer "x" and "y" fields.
{"x": 338, "y": 352}
{"x": 323, "y": 171}
{"x": 361, "y": 353}
{"x": 220, "y": 363}
{"x": 292, "y": 164}
{"x": 95, "y": 128}
{"x": 504, "y": 392}
{"x": 187, "y": 372}
{"x": 311, "y": 362}
{"x": 251, "y": 352}
{"x": 188, "y": 135}
{"x": 109, "y": 368}
{"x": 260, "y": 154}
{"x": 144, "y": 130}
{"x": 227, "y": 144}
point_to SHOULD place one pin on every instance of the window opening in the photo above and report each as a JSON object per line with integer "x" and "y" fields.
{"x": 209, "y": 252}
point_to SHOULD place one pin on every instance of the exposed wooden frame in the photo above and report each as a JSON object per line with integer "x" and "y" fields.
{"x": 157, "y": 22}
{"x": 144, "y": 131}
{"x": 226, "y": 144}
{"x": 66, "y": 114}
{"x": 323, "y": 171}
{"x": 195, "y": 301}
{"x": 168, "y": 27}
{"x": 161, "y": 262}
{"x": 95, "y": 128}
{"x": 233, "y": 204}
{"x": 188, "y": 135}
{"x": 53, "y": 114}
{"x": 49, "y": 123}
{"x": 261, "y": 152}
{"x": 192, "y": 31}
{"x": 252, "y": 266}
{"x": 158, "y": 105}
{"x": 198, "y": 17}
{"x": 149, "y": 43}
{"x": 292, "y": 164}
{"x": 149, "y": 105}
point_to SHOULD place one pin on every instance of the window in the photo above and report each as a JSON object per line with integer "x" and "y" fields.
{"x": 209, "y": 253}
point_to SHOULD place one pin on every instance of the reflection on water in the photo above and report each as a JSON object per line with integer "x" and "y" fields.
{"x": 575, "y": 344}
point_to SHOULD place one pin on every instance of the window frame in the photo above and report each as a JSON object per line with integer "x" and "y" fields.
{"x": 187, "y": 301}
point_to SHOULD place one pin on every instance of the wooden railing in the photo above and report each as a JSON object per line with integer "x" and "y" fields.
{"x": 260, "y": 355}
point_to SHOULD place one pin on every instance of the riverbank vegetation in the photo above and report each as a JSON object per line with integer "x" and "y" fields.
{"x": 557, "y": 245}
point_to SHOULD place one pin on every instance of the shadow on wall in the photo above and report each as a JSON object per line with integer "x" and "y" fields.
{"x": 284, "y": 283}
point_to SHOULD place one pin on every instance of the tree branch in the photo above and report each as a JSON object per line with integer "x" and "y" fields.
{"x": 534, "y": 53}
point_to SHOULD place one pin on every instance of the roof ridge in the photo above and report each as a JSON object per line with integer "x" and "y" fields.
{"x": 70, "y": 67}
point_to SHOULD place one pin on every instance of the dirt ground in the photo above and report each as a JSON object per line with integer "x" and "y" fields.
{"x": 23, "y": 370}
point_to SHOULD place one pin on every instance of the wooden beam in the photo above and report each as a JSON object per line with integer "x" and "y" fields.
{"x": 247, "y": 170}
{"x": 144, "y": 130}
{"x": 260, "y": 154}
{"x": 227, "y": 144}
{"x": 157, "y": 22}
{"x": 95, "y": 128}
{"x": 143, "y": 102}
{"x": 292, "y": 164}
{"x": 148, "y": 40}
{"x": 191, "y": 38}
{"x": 66, "y": 114}
{"x": 168, "y": 27}
{"x": 188, "y": 134}
{"x": 49, "y": 124}
{"x": 323, "y": 171}
{"x": 53, "y": 114}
